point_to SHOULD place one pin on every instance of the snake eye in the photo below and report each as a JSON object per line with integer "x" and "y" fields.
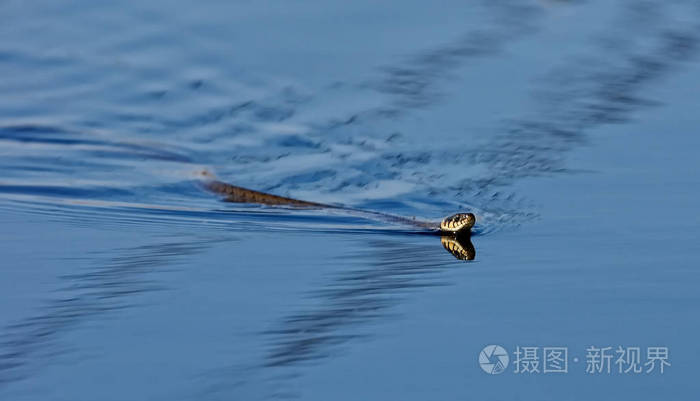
{"x": 460, "y": 222}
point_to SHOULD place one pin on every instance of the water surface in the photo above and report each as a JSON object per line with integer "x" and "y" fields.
{"x": 568, "y": 127}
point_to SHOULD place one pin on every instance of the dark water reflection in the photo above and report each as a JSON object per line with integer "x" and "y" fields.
{"x": 355, "y": 299}
{"x": 417, "y": 83}
{"x": 108, "y": 285}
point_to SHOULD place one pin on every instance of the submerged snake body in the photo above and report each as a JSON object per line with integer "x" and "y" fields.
{"x": 244, "y": 195}
{"x": 455, "y": 229}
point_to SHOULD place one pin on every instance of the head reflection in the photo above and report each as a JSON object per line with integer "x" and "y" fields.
{"x": 459, "y": 245}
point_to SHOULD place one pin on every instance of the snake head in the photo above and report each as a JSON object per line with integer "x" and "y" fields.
{"x": 458, "y": 223}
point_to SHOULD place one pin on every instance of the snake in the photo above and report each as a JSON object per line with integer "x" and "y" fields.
{"x": 454, "y": 230}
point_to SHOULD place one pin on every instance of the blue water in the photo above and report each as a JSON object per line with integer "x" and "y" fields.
{"x": 568, "y": 127}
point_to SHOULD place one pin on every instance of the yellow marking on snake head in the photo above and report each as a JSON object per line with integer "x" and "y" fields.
{"x": 459, "y": 222}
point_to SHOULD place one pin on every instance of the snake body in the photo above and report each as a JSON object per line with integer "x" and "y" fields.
{"x": 456, "y": 223}
{"x": 455, "y": 230}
